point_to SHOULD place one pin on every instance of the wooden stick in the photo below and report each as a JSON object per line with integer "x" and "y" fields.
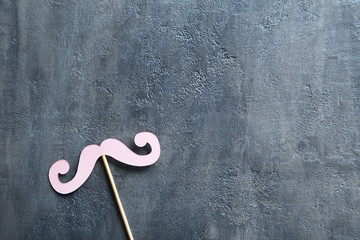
{"x": 117, "y": 198}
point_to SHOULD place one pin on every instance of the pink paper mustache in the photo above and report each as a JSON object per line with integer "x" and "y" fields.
{"x": 110, "y": 147}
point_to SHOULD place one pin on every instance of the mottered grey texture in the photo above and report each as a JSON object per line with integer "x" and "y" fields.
{"x": 256, "y": 105}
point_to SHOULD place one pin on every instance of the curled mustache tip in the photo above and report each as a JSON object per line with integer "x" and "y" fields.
{"x": 63, "y": 166}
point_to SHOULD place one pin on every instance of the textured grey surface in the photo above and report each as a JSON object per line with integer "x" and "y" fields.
{"x": 256, "y": 105}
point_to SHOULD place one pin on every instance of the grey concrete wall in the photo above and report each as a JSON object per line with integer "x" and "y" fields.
{"x": 256, "y": 105}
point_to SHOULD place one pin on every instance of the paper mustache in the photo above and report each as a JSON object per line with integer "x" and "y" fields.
{"x": 110, "y": 147}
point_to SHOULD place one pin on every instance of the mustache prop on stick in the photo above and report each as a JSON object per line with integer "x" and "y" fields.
{"x": 113, "y": 148}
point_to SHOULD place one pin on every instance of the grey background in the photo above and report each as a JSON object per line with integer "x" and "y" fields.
{"x": 256, "y": 105}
